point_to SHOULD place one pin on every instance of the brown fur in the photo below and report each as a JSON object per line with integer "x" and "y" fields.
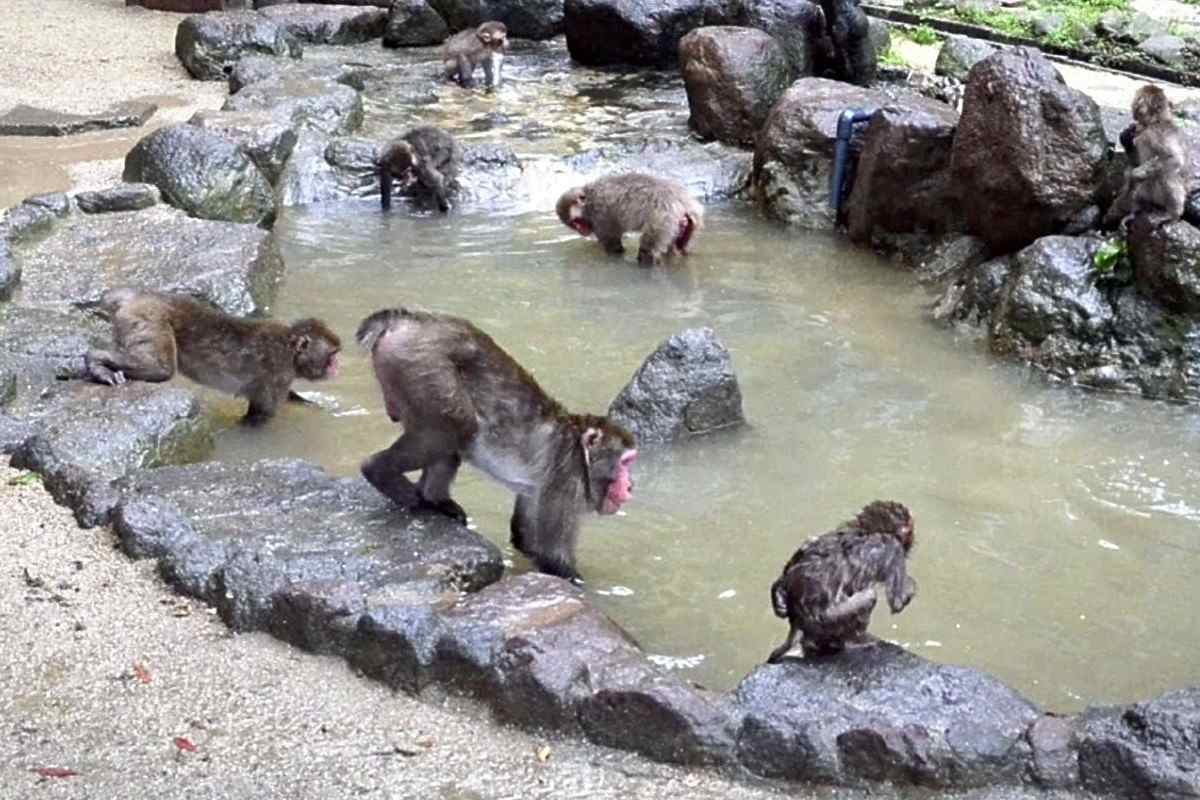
{"x": 1158, "y": 178}
{"x": 428, "y": 154}
{"x": 826, "y": 591}
{"x": 466, "y": 50}
{"x": 154, "y": 334}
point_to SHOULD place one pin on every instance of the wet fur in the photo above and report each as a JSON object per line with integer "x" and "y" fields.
{"x": 430, "y": 155}
{"x": 467, "y": 50}
{"x": 1158, "y": 178}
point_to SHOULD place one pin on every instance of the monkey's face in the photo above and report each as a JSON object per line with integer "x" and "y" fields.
{"x": 316, "y": 350}
{"x": 570, "y": 210}
{"x": 1150, "y": 105}
{"x": 609, "y": 455}
{"x": 493, "y": 36}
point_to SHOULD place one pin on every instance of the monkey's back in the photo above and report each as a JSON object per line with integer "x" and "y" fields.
{"x": 635, "y": 197}
{"x": 830, "y": 568}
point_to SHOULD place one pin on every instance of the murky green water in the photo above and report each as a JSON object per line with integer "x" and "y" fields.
{"x": 1057, "y": 530}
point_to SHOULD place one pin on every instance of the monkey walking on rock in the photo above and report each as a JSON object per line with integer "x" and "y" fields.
{"x": 460, "y": 396}
{"x": 827, "y": 589}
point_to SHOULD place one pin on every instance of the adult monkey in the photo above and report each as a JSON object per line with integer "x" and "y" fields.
{"x": 1156, "y": 183}
{"x": 459, "y": 395}
{"x": 467, "y": 49}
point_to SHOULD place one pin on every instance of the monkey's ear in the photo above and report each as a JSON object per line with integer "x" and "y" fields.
{"x": 591, "y": 438}
{"x": 302, "y": 343}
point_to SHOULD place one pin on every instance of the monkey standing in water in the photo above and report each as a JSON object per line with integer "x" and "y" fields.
{"x": 428, "y": 154}
{"x": 155, "y": 333}
{"x": 459, "y": 395}
{"x": 467, "y": 49}
{"x": 827, "y": 589}
{"x": 1158, "y": 178}
{"x": 614, "y": 205}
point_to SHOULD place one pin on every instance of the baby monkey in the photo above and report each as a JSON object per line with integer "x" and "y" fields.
{"x": 467, "y": 49}
{"x": 428, "y": 154}
{"x": 827, "y": 590}
{"x": 1157, "y": 181}
{"x": 614, "y": 205}
{"x": 156, "y": 333}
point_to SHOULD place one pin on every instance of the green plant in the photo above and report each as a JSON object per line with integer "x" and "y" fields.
{"x": 1000, "y": 20}
{"x": 1110, "y": 262}
{"x": 892, "y": 58}
{"x": 922, "y": 34}
{"x": 24, "y": 479}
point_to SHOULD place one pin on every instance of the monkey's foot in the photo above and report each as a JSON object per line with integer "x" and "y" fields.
{"x": 558, "y": 568}
{"x": 445, "y": 507}
{"x": 779, "y": 653}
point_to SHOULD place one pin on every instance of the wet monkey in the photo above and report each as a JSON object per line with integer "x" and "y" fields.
{"x": 1156, "y": 183}
{"x": 827, "y": 589}
{"x": 661, "y": 209}
{"x": 460, "y": 396}
{"x": 427, "y": 154}
{"x": 467, "y": 49}
{"x": 154, "y": 334}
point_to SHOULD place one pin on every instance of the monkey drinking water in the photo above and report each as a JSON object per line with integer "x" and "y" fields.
{"x": 427, "y": 154}
{"x": 154, "y": 334}
{"x": 827, "y": 589}
{"x": 1156, "y": 183}
{"x": 468, "y": 49}
{"x": 614, "y": 205}
{"x": 459, "y": 395}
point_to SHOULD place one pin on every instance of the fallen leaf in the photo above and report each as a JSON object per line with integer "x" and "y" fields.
{"x": 184, "y": 744}
{"x": 543, "y": 753}
{"x": 141, "y": 673}
{"x": 55, "y": 772}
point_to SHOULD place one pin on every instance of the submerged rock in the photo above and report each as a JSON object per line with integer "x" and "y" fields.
{"x": 685, "y": 387}
{"x": 209, "y": 45}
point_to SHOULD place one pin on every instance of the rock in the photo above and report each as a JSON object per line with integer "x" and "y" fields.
{"x": 1147, "y": 749}
{"x": 1142, "y": 26}
{"x": 1170, "y": 50}
{"x": 322, "y": 169}
{"x": 685, "y": 387}
{"x": 881, "y": 713}
{"x": 797, "y": 25}
{"x": 190, "y": 6}
{"x": 902, "y": 183}
{"x": 122, "y": 197}
{"x": 793, "y": 158}
{"x": 268, "y": 142}
{"x": 25, "y": 120}
{"x": 1029, "y": 153}
{"x": 644, "y": 32}
{"x": 1191, "y": 211}
{"x": 414, "y": 23}
{"x": 733, "y": 76}
{"x": 954, "y": 255}
{"x": 33, "y": 216}
{"x": 1052, "y": 290}
{"x": 525, "y": 19}
{"x": 972, "y": 8}
{"x": 1166, "y": 263}
{"x": 1113, "y": 24}
{"x": 1048, "y": 24}
{"x": 321, "y": 104}
{"x": 1055, "y": 754}
{"x": 959, "y": 53}
{"x": 332, "y": 24}
{"x": 252, "y": 69}
{"x": 202, "y": 173}
{"x": 208, "y": 45}
{"x": 91, "y": 435}
{"x": 10, "y": 272}
{"x": 38, "y": 348}
{"x": 217, "y": 530}
{"x": 237, "y": 267}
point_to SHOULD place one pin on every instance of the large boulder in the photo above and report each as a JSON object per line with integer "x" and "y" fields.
{"x": 414, "y": 23}
{"x": 733, "y": 76}
{"x": 525, "y": 19}
{"x": 205, "y": 174}
{"x": 880, "y": 713}
{"x": 1166, "y": 263}
{"x": 209, "y": 45}
{"x": 902, "y": 183}
{"x": 959, "y": 53}
{"x": 685, "y": 387}
{"x": 1030, "y": 151}
{"x": 798, "y": 26}
{"x": 644, "y": 32}
{"x": 333, "y": 24}
{"x": 264, "y": 138}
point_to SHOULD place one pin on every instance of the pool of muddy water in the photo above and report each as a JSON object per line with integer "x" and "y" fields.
{"x": 1057, "y": 537}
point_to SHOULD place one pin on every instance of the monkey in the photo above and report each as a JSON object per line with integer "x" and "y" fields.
{"x": 1156, "y": 182}
{"x": 427, "y": 153}
{"x": 459, "y": 395}
{"x": 154, "y": 333}
{"x": 613, "y": 205}
{"x": 826, "y": 591}
{"x": 467, "y": 49}
{"x": 845, "y": 49}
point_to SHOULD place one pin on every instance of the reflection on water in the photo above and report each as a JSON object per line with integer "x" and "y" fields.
{"x": 1056, "y": 530}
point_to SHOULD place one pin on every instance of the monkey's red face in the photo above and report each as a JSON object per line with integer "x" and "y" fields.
{"x": 621, "y": 488}
{"x": 331, "y": 366}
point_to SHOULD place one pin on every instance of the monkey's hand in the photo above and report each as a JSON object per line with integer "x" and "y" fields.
{"x": 112, "y": 377}
{"x": 899, "y": 600}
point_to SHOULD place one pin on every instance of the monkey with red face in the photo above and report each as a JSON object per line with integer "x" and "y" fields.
{"x": 459, "y": 395}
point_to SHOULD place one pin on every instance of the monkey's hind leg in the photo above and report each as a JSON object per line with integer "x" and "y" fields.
{"x": 145, "y": 351}
{"x": 466, "y": 72}
{"x": 435, "y": 183}
{"x": 656, "y": 242}
{"x": 549, "y": 538}
{"x": 434, "y": 488}
{"x": 788, "y": 645}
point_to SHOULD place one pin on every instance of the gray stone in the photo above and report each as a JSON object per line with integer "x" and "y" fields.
{"x": 733, "y": 77}
{"x": 122, "y": 197}
{"x": 955, "y": 255}
{"x": 1191, "y": 211}
{"x": 321, "y": 104}
{"x": 252, "y": 69}
{"x": 644, "y": 32}
{"x": 205, "y": 174}
{"x": 33, "y": 216}
{"x": 25, "y": 120}
{"x": 235, "y": 266}
{"x": 209, "y": 45}
{"x": 525, "y": 19}
{"x": 414, "y": 23}
{"x": 1166, "y": 263}
{"x": 1052, "y": 291}
{"x": 268, "y": 142}
{"x": 1170, "y": 50}
{"x": 1142, "y": 27}
{"x": 1055, "y": 754}
{"x": 272, "y": 542}
{"x": 797, "y": 25}
{"x": 1113, "y": 24}
{"x": 331, "y": 24}
{"x": 685, "y": 387}
{"x": 10, "y": 272}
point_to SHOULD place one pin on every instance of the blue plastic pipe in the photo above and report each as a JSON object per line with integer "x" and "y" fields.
{"x": 841, "y": 151}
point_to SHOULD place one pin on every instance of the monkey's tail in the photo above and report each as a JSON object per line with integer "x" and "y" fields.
{"x": 376, "y": 325}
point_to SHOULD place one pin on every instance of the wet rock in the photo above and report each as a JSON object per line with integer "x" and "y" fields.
{"x": 202, "y": 173}
{"x": 733, "y": 76}
{"x": 10, "y": 272}
{"x": 959, "y": 53}
{"x": 797, "y": 25}
{"x": 710, "y": 171}
{"x": 340, "y": 24}
{"x": 1055, "y": 754}
{"x": 1052, "y": 290}
{"x": 956, "y": 255}
{"x": 881, "y": 713}
{"x": 267, "y": 542}
{"x": 208, "y": 45}
{"x": 1170, "y": 50}
{"x": 525, "y": 19}
{"x": 122, "y": 197}
{"x": 235, "y": 266}
{"x": 1030, "y": 151}
{"x": 645, "y": 32}
{"x": 491, "y": 174}
{"x": 902, "y": 183}
{"x": 295, "y": 99}
{"x": 33, "y": 216}
{"x": 685, "y": 387}
{"x": 88, "y": 435}
{"x": 40, "y": 345}
{"x": 1166, "y": 263}
{"x": 191, "y": 6}
{"x": 1149, "y": 749}
{"x": 268, "y": 142}
{"x": 24, "y": 120}
{"x": 1191, "y": 211}
{"x": 793, "y": 159}
{"x": 252, "y": 69}
{"x": 414, "y": 23}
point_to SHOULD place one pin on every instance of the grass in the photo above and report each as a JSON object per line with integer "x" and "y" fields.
{"x": 923, "y": 34}
{"x": 1079, "y": 18}
{"x": 920, "y": 34}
